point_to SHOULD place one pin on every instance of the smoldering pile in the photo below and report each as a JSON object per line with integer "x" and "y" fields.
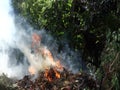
{"x": 66, "y": 81}
{"x": 52, "y": 74}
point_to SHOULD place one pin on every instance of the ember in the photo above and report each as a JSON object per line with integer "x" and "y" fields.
{"x": 50, "y": 81}
{"x": 52, "y": 74}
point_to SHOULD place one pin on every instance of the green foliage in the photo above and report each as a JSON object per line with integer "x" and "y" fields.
{"x": 110, "y": 65}
{"x": 115, "y": 82}
{"x": 32, "y": 10}
{"x": 5, "y": 80}
{"x": 6, "y": 83}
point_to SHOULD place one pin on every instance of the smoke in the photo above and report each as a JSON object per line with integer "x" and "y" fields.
{"x": 15, "y": 45}
{"x": 16, "y": 56}
{"x": 8, "y": 63}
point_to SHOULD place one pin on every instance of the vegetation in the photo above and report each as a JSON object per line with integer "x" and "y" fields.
{"x": 6, "y": 83}
{"x": 89, "y": 26}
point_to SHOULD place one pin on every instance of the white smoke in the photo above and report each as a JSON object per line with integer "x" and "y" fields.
{"x": 7, "y": 41}
{"x": 16, "y": 34}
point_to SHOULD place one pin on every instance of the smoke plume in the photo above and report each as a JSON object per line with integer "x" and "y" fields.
{"x": 16, "y": 57}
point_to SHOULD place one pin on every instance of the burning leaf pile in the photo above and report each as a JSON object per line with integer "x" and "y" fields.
{"x": 52, "y": 75}
{"x": 55, "y": 80}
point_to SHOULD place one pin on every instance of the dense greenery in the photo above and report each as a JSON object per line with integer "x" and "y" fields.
{"x": 89, "y": 26}
{"x": 6, "y": 83}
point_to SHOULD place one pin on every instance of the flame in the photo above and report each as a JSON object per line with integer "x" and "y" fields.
{"x": 51, "y": 66}
{"x": 31, "y": 70}
{"x": 59, "y": 66}
{"x": 52, "y": 74}
{"x": 35, "y": 39}
{"x": 57, "y": 74}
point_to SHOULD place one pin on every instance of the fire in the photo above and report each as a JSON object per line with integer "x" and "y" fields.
{"x": 35, "y": 39}
{"x": 58, "y": 65}
{"x": 52, "y": 74}
{"x": 57, "y": 74}
{"x": 31, "y": 70}
{"x": 51, "y": 66}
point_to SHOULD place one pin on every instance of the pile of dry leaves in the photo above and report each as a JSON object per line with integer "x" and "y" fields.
{"x": 66, "y": 81}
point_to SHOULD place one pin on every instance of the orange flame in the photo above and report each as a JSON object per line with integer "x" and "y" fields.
{"x": 31, "y": 70}
{"x": 35, "y": 39}
{"x": 57, "y": 74}
{"x": 51, "y": 73}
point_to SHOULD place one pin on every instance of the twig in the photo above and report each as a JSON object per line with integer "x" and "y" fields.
{"x": 110, "y": 67}
{"x": 110, "y": 70}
